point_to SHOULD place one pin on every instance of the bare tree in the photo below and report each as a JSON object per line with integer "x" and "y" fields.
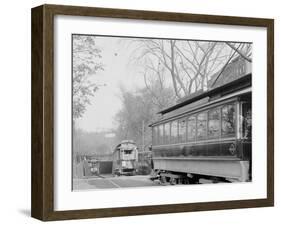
{"x": 138, "y": 110}
{"x": 155, "y": 81}
{"x": 189, "y": 64}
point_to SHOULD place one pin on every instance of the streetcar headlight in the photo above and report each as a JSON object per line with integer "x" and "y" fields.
{"x": 232, "y": 148}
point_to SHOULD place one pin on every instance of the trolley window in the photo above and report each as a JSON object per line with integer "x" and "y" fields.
{"x": 247, "y": 120}
{"x": 166, "y": 133}
{"x": 228, "y": 120}
{"x": 155, "y": 135}
{"x": 191, "y": 128}
{"x": 174, "y": 132}
{"x": 161, "y": 134}
{"x": 214, "y": 123}
{"x": 202, "y": 126}
{"x": 182, "y": 130}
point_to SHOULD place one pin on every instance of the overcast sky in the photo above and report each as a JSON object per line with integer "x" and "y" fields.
{"x": 118, "y": 72}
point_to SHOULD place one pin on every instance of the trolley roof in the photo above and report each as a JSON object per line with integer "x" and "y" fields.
{"x": 233, "y": 86}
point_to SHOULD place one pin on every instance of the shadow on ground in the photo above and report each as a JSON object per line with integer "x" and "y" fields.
{"x": 25, "y": 212}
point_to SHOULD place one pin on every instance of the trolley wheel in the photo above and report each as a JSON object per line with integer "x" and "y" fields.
{"x": 183, "y": 181}
{"x": 173, "y": 181}
{"x": 163, "y": 179}
{"x": 186, "y": 181}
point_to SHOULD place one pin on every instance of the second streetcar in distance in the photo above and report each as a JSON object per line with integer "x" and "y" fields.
{"x": 125, "y": 158}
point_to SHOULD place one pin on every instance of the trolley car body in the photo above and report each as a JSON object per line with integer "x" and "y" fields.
{"x": 206, "y": 136}
{"x": 125, "y": 157}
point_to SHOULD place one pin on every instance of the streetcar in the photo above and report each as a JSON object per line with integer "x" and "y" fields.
{"x": 125, "y": 158}
{"x": 207, "y": 136}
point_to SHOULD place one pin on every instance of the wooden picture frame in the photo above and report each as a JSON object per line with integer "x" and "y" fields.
{"x": 42, "y": 203}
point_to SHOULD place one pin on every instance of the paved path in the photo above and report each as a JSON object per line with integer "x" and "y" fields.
{"x": 113, "y": 182}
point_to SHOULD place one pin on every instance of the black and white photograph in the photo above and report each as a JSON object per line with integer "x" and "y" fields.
{"x": 142, "y": 112}
{"x": 160, "y": 112}
{"x": 121, "y": 113}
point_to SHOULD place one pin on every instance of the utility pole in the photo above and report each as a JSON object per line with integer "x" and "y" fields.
{"x": 142, "y": 135}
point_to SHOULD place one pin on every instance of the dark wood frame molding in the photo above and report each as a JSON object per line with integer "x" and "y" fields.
{"x": 42, "y": 198}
